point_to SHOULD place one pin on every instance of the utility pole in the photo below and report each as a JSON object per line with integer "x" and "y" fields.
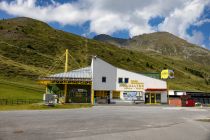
{"x": 66, "y": 70}
{"x": 66, "y": 63}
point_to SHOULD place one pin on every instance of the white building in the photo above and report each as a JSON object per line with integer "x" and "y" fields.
{"x": 125, "y": 85}
{"x": 105, "y": 82}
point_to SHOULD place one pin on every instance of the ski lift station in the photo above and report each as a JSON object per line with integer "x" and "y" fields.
{"x": 104, "y": 83}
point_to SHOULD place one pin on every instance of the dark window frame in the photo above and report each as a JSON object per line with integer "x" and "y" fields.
{"x": 120, "y": 80}
{"x": 103, "y": 79}
{"x": 126, "y": 80}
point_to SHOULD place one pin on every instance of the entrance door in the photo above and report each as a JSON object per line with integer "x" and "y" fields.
{"x": 147, "y": 98}
{"x": 153, "y": 98}
{"x": 158, "y": 98}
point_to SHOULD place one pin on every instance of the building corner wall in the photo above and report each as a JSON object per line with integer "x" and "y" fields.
{"x": 101, "y": 69}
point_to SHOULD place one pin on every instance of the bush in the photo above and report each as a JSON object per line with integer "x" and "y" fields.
{"x": 197, "y": 73}
{"x": 30, "y": 47}
{"x": 207, "y": 80}
{"x": 128, "y": 59}
{"x": 111, "y": 54}
{"x": 147, "y": 64}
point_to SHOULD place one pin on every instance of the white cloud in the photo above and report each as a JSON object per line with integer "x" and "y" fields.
{"x": 109, "y": 16}
{"x": 68, "y": 13}
{"x": 201, "y": 22}
{"x": 196, "y": 38}
{"x": 181, "y": 18}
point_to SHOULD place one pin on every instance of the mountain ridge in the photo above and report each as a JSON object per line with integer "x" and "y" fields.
{"x": 163, "y": 43}
{"x": 29, "y": 48}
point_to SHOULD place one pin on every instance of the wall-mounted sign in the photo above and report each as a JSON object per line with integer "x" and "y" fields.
{"x": 167, "y": 74}
{"x": 134, "y": 85}
{"x": 130, "y": 95}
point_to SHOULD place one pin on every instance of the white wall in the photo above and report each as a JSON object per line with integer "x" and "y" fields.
{"x": 179, "y": 93}
{"x": 101, "y": 68}
{"x": 171, "y": 92}
{"x": 164, "y": 98}
{"x": 148, "y": 82}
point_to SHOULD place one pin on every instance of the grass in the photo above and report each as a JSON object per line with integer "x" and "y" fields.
{"x": 42, "y": 107}
{"x": 20, "y": 90}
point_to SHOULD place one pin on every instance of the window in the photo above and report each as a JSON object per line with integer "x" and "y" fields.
{"x": 103, "y": 79}
{"x": 126, "y": 80}
{"x": 120, "y": 80}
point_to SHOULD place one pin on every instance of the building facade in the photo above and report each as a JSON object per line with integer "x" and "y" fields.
{"x": 124, "y": 85}
{"x": 105, "y": 83}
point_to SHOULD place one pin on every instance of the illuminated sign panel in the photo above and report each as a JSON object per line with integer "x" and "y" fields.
{"x": 132, "y": 85}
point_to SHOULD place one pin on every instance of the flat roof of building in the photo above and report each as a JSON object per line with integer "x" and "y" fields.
{"x": 79, "y": 74}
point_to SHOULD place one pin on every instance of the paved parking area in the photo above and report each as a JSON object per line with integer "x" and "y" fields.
{"x": 107, "y": 123}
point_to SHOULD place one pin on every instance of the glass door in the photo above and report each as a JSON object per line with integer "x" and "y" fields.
{"x": 158, "y": 98}
{"x": 147, "y": 98}
{"x": 152, "y": 98}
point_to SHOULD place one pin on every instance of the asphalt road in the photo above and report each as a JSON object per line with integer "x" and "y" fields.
{"x": 106, "y": 123}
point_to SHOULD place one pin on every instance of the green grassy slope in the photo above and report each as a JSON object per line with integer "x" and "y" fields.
{"x": 162, "y": 43}
{"x": 29, "y": 48}
{"x": 20, "y": 89}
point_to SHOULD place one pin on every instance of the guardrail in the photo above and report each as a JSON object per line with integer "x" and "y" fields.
{"x": 19, "y": 101}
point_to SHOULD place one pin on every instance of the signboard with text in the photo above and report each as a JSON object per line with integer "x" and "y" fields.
{"x": 133, "y": 85}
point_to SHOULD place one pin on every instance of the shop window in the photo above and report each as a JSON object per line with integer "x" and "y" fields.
{"x": 120, "y": 80}
{"x": 103, "y": 79}
{"x": 124, "y": 94}
{"x": 116, "y": 95}
{"x": 126, "y": 80}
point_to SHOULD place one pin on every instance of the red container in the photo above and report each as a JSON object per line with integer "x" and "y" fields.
{"x": 190, "y": 103}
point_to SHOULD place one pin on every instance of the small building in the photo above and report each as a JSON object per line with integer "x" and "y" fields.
{"x": 180, "y": 97}
{"x": 104, "y": 83}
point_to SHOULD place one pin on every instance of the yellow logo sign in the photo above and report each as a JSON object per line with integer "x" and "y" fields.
{"x": 165, "y": 74}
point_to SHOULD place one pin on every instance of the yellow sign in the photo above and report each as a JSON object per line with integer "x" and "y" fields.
{"x": 165, "y": 74}
{"x": 133, "y": 85}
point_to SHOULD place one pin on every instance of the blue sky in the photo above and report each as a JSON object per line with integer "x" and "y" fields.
{"x": 188, "y": 19}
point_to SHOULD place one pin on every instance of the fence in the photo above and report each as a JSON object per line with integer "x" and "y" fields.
{"x": 18, "y": 101}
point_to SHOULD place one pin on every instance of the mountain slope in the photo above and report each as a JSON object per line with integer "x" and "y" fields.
{"x": 111, "y": 40}
{"x": 162, "y": 43}
{"x": 30, "y": 48}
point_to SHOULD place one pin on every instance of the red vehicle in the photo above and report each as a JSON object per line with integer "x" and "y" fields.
{"x": 190, "y": 103}
{"x": 187, "y": 101}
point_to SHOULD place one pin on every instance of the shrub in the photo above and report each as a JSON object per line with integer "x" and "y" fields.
{"x": 197, "y": 73}
{"x": 111, "y": 54}
{"x": 147, "y": 64}
{"x": 30, "y": 47}
{"x": 128, "y": 59}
